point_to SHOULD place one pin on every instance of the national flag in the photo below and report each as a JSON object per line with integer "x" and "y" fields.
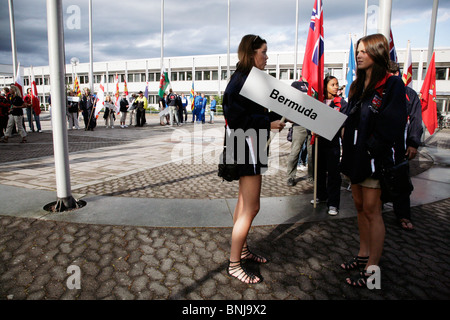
{"x": 117, "y": 95}
{"x": 407, "y": 67}
{"x": 192, "y": 96}
{"x": 163, "y": 82}
{"x": 313, "y": 60}
{"x": 76, "y": 87}
{"x": 351, "y": 74}
{"x": 125, "y": 89}
{"x": 100, "y": 102}
{"x": 34, "y": 95}
{"x": 392, "y": 52}
{"x": 146, "y": 91}
{"x": 18, "y": 82}
{"x": 428, "y": 98}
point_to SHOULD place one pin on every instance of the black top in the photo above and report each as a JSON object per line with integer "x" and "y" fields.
{"x": 248, "y": 127}
{"x": 375, "y": 130}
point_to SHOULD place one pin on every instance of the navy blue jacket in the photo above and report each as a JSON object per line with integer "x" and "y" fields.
{"x": 374, "y": 131}
{"x": 242, "y": 113}
{"x": 415, "y": 129}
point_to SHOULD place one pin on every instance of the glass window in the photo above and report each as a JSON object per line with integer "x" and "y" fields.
{"x": 182, "y": 76}
{"x": 440, "y": 73}
{"x": 189, "y": 75}
{"x": 206, "y": 75}
{"x": 151, "y": 77}
{"x": 273, "y": 73}
{"x": 215, "y": 75}
{"x": 198, "y": 75}
{"x": 284, "y": 74}
{"x": 173, "y": 76}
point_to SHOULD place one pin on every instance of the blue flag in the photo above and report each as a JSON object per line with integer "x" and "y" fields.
{"x": 351, "y": 74}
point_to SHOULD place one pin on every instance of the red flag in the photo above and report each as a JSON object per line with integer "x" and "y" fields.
{"x": 428, "y": 98}
{"x": 313, "y": 60}
{"x": 34, "y": 94}
{"x": 18, "y": 81}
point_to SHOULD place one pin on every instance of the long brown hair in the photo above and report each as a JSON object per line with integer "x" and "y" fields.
{"x": 377, "y": 48}
{"x": 249, "y": 44}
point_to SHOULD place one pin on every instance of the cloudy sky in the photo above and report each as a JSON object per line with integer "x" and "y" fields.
{"x": 131, "y": 29}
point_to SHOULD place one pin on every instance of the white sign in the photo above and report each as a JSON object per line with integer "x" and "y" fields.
{"x": 73, "y": 99}
{"x": 291, "y": 103}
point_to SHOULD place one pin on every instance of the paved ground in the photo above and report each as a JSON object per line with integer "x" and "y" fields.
{"x": 177, "y": 261}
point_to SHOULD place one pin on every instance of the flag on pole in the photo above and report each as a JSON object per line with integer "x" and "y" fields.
{"x": 76, "y": 87}
{"x": 100, "y": 102}
{"x": 117, "y": 96}
{"x": 34, "y": 95}
{"x": 313, "y": 61}
{"x": 428, "y": 98}
{"x": 125, "y": 89}
{"x": 407, "y": 67}
{"x": 163, "y": 82}
{"x": 351, "y": 74}
{"x": 392, "y": 52}
{"x": 18, "y": 82}
{"x": 146, "y": 91}
{"x": 192, "y": 96}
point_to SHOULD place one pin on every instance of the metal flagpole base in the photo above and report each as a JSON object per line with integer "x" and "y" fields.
{"x": 65, "y": 204}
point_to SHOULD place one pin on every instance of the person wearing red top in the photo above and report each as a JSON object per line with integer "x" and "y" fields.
{"x": 33, "y": 108}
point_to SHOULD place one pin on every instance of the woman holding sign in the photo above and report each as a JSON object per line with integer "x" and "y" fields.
{"x": 248, "y": 127}
{"x": 373, "y": 137}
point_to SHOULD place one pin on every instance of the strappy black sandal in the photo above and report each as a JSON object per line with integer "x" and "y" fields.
{"x": 246, "y": 254}
{"x": 237, "y": 270}
{"x": 356, "y": 262}
{"x": 359, "y": 280}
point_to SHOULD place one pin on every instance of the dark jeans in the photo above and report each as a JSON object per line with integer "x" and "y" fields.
{"x": 328, "y": 175}
{"x": 402, "y": 207}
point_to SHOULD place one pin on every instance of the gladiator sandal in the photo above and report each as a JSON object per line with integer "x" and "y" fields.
{"x": 356, "y": 263}
{"x": 237, "y": 270}
{"x": 246, "y": 254}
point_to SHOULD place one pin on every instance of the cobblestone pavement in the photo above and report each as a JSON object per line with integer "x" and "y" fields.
{"x": 149, "y": 263}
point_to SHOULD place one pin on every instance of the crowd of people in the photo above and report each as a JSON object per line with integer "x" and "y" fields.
{"x": 12, "y": 118}
{"x": 382, "y": 129}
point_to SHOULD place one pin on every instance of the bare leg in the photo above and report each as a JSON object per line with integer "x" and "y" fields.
{"x": 245, "y": 211}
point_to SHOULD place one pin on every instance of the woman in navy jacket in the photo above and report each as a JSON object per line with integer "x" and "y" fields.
{"x": 373, "y": 135}
{"x": 249, "y": 125}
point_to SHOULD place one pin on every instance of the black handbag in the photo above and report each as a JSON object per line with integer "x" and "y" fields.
{"x": 395, "y": 182}
{"x": 228, "y": 171}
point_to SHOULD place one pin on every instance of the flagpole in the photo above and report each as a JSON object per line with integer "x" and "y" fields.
{"x": 13, "y": 37}
{"x": 296, "y": 40}
{"x": 91, "y": 51}
{"x": 384, "y": 18}
{"x": 365, "y": 18}
{"x": 432, "y": 30}
{"x": 55, "y": 30}
{"x": 162, "y": 34}
{"x": 228, "y": 45}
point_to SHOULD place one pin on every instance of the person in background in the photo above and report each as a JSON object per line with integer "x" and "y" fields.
{"x": 72, "y": 112}
{"x": 212, "y": 109}
{"x": 402, "y": 206}
{"x": 16, "y": 115}
{"x": 329, "y": 153}
{"x": 109, "y": 112}
{"x": 33, "y": 110}
{"x": 123, "y": 111}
